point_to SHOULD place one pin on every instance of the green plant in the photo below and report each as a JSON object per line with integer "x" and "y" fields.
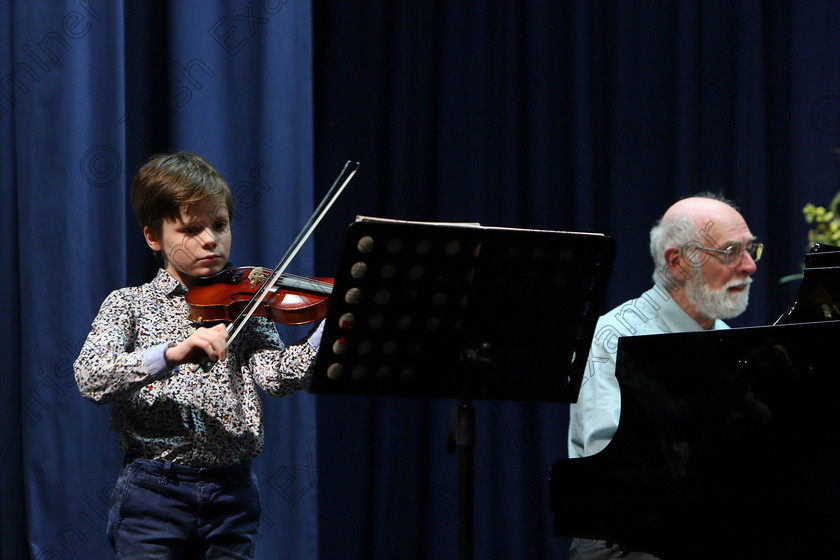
{"x": 826, "y": 222}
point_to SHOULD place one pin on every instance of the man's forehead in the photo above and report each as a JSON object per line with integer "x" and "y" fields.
{"x": 729, "y": 229}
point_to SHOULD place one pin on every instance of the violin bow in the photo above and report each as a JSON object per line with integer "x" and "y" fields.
{"x": 236, "y": 326}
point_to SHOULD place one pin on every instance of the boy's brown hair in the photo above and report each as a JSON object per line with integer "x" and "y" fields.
{"x": 166, "y": 183}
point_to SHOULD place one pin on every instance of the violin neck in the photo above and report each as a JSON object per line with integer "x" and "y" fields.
{"x": 300, "y": 284}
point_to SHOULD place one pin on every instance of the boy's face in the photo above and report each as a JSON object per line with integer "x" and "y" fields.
{"x": 197, "y": 244}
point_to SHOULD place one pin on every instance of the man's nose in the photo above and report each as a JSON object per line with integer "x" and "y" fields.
{"x": 747, "y": 265}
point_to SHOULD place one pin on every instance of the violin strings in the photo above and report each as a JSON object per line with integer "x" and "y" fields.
{"x": 309, "y": 281}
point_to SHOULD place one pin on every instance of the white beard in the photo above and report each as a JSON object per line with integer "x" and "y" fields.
{"x": 720, "y": 303}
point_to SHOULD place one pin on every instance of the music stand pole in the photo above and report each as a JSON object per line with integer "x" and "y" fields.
{"x": 465, "y": 446}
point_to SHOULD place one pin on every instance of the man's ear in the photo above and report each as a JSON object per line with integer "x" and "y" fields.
{"x": 676, "y": 264}
{"x": 152, "y": 239}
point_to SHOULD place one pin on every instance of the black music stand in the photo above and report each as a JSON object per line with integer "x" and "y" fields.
{"x": 466, "y": 312}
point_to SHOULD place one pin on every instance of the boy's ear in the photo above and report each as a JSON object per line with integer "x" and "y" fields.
{"x": 151, "y": 239}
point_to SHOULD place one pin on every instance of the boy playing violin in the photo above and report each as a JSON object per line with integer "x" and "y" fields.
{"x": 186, "y": 489}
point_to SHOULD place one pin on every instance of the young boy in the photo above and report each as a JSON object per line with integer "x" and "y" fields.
{"x": 186, "y": 489}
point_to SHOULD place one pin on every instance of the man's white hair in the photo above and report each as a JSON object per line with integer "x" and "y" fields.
{"x": 675, "y": 232}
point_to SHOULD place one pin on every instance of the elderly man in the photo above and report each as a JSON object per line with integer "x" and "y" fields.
{"x": 704, "y": 255}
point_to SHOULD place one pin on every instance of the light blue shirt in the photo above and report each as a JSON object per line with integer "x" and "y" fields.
{"x": 594, "y": 418}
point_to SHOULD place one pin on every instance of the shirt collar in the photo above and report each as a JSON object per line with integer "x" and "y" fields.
{"x": 168, "y": 285}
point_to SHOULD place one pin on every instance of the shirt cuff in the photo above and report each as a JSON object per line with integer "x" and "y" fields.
{"x": 156, "y": 362}
{"x": 314, "y": 339}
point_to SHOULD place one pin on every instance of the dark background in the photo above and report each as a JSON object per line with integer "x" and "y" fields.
{"x": 579, "y": 116}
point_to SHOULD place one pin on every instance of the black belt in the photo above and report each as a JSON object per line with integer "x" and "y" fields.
{"x": 170, "y": 469}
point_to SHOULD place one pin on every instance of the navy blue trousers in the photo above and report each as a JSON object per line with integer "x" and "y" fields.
{"x": 161, "y": 510}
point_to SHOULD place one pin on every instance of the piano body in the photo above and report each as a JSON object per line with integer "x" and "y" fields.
{"x": 727, "y": 445}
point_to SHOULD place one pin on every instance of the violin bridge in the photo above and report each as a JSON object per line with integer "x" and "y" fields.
{"x": 257, "y": 276}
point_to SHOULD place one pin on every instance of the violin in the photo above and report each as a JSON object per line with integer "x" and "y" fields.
{"x": 292, "y": 300}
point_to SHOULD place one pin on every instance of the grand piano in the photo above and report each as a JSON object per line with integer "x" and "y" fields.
{"x": 727, "y": 444}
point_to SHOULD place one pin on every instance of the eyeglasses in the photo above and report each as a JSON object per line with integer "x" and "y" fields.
{"x": 734, "y": 253}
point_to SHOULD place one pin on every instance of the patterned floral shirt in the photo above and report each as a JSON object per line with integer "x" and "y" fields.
{"x": 192, "y": 418}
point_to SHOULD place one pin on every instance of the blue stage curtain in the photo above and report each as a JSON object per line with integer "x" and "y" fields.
{"x": 88, "y": 90}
